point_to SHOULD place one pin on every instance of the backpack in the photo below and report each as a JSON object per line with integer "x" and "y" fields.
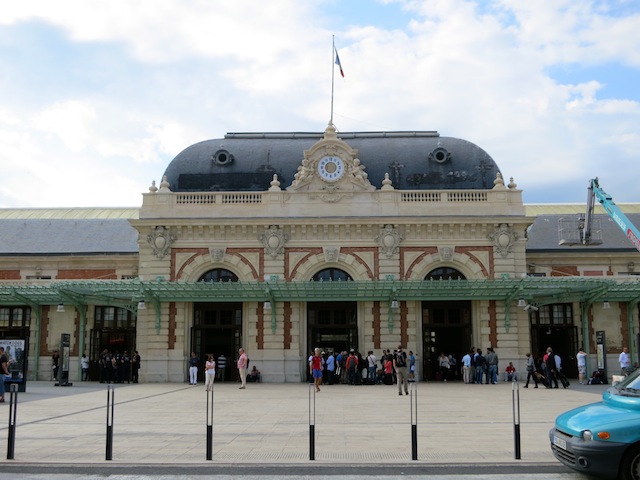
{"x": 353, "y": 364}
{"x": 401, "y": 359}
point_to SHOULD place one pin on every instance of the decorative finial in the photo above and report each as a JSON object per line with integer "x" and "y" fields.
{"x": 387, "y": 184}
{"x": 164, "y": 185}
{"x": 498, "y": 183}
{"x": 153, "y": 188}
{"x": 512, "y": 184}
{"x": 275, "y": 184}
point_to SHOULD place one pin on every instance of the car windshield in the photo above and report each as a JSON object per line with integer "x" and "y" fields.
{"x": 630, "y": 384}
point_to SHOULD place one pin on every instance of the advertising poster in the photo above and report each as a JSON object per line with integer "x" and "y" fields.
{"x": 14, "y": 351}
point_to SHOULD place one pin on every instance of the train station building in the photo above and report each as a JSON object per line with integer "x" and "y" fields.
{"x": 282, "y": 242}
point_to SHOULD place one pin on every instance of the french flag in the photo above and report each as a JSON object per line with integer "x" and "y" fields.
{"x": 338, "y": 62}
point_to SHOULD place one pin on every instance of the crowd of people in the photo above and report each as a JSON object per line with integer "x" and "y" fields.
{"x": 352, "y": 368}
{"x": 397, "y": 367}
{"x": 116, "y": 367}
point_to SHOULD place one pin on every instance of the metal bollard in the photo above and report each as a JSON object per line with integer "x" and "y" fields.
{"x": 414, "y": 420}
{"x": 515, "y": 400}
{"x": 312, "y": 422}
{"x": 210, "y": 425}
{"x": 110, "y": 403}
{"x": 13, "y": 410}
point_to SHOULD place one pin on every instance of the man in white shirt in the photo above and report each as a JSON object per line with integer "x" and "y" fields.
{"x": 625, "y": 361}
{"x": 581, "y": 357}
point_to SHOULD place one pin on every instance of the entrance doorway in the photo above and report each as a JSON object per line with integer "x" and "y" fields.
{"x": 332, "y": 326}
{"x": 552, "y": 326}
{"x": 447, "y": 329}
{"x": 217, "y": 329}
{"x": 114, "y": 330}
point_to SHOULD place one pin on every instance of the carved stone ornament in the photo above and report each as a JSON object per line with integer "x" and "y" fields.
{"x": 273, "y": 240}
{"x": 331, "y": 254}
{"x": 217, "y": 254}
{"x": 160, "y": 240}
{"x": 446, "y": 254}
{"x": 388, "y": 239}
{"x": 503, "y": 239}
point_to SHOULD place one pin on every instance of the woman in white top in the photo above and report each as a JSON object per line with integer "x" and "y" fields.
{"x": 210, "y": 372}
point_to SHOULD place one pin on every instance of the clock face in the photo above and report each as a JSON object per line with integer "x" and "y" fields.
{"x": 331, "y": 169}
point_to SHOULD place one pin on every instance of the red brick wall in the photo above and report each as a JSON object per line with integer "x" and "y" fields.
{"x": 86, "y": 274}
{"x": 9, "y": 274}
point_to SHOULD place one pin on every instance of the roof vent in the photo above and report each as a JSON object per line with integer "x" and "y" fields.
{"x": 222, "y": 158}
{"x": 439, "y": 155}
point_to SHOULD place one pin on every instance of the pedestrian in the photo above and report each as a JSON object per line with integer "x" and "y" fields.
{"x": 135, "y": 366}
{"x": 625, "y": 361}
{"x": 444, "y": 366}
{"x": 400, "y": 364}
{"x": 466, "y": 368}
{"x": 55, "y": 364}
{"x": 492, "y": 366}
{"x": 4, "y": 370}
{"x": 480, "y": 363}
{"x": 412, "y": 367}
{"x": 372, "y": 362}
{"x": 84, "y": 364}
{"x": 531, "y": 371}
{"x": 316, "y": 367}
{"x": 581, "y": 357}
{"x": 550, "y": 361}
{"x": 221, "y": 366}
{"x": 125, "y": 362}
{"x": 510, "y": 374}
{"x": 193, "y": 369}
{"x": 331, "y": 368}
{"x": 351, "y": 365}
{"x": 210, "y": 373}
{"x": 243, "y": 361}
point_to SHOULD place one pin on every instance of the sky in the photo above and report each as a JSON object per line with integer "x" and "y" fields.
{"x": 98, "y": 96}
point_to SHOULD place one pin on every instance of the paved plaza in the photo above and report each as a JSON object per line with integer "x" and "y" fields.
{"x": 268, "y": 424}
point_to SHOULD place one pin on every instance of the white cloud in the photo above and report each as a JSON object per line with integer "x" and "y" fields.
{"x": 160, "y": 75}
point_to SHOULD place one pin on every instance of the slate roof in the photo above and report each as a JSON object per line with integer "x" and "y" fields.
{"x": 55, "y": 236}
{"x": 544, "y": 234}
{"x": 413, "y": 160}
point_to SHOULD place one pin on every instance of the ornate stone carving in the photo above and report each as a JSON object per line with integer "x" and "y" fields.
{"x": 160, "y": 240}
{"x": 503, "y": 239}
{"x": 446, "y": 253}
{"x": 273, "y": 240}
{"x": 389, "y": 239}
{"x": 217, "y": 254}
{"x": 331, "y": 254}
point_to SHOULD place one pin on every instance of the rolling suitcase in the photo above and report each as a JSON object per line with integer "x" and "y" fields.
{"x": 541, "y": 379}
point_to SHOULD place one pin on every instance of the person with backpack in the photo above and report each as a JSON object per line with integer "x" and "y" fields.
{"x": 400, "y": 365}
{"x": 352, "y": 367}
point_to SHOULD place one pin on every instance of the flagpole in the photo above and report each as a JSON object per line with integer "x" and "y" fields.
{"x": 333, "y": 71}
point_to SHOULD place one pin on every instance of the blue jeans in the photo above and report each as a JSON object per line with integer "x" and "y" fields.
{"x": 493, "y": 373}
{"x": 371, "y": 373}
{"x": 2, "y": 385}
{"x": 479, "y": 373}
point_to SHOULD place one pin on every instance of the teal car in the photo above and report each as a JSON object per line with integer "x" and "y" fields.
{"x": 603, "y": 438}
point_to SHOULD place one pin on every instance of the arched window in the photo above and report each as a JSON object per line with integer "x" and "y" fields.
{"x": 219, "y": 275}
{"x": 445, "y": 273}
{"x": 333, "y": 274}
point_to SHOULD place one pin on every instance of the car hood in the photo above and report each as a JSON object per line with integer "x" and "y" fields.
{"x": 596, "y": 417}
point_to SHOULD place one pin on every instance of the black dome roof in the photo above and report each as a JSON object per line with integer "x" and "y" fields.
{"x": 413, "y": 160}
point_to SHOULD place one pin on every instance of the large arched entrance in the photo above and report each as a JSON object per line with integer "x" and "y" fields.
{"x": 446, "y": 327}
{"x": 332, "y": 326}
{"x": 217, "y": 326}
